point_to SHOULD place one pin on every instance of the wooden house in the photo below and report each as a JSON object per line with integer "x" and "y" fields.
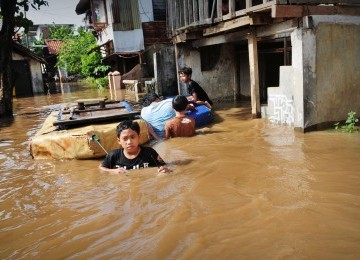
{"x": 297, "y": 61}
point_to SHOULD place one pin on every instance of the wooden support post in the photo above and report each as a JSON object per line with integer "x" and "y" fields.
{"x": 254, "y": 76}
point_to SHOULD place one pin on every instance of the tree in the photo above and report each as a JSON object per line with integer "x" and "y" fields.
{"x": 13, "y": 18}
{"x": 77, "y": 57}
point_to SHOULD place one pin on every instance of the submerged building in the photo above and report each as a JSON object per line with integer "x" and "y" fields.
{"x": 298, "y": 61}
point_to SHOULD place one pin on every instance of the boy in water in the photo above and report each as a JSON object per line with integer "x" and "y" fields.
{"x": 197, "y": 94}
{"x": 181, "y": 125}
{"x": 131, "y": 155}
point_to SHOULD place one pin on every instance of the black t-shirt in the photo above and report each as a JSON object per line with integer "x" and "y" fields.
{"x": 147, "y": 157}
{"x": 194, "y": 87}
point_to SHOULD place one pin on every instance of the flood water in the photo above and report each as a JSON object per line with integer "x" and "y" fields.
{"x": 240, "y": 189}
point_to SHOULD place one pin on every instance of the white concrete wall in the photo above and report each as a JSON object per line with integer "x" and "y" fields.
{"x": 36, "y": 77}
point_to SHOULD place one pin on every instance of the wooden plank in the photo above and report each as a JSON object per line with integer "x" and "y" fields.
{"x": 94, "y": 120}
{"x": 201, "y": 10}
{"x": 232, "y": 8}
{"x": 289, "y": 11}
{"x": 206, "y": 9}
{"x": 186, "y": 12}
{"x": 90, "y": 100}
{"x": 196, "y": 10}
{"x": 223, "y": 38}
{"x": 77, "y": 111}
{"x": 270, "y": 30}
{"x": 254, "y": 76}
{"x": 219, "y": 10}
{"x": 257, "y": 8}
{"x": 323, "y": 1}
{"x": 228, "y": 25}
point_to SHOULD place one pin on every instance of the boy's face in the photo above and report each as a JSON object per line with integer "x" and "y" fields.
{"x": 129, "y": 140}
{"x": 183, "y": 77}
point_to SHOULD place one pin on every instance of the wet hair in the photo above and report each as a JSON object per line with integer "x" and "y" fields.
{"x": 179, "y": 103}
{"x": 148, "y": 99}
{"x": 127, "y": 124}
{"x": 186, "y": 71}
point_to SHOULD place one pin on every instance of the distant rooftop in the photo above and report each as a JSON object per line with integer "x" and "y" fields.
{"x": 54, "y": 46}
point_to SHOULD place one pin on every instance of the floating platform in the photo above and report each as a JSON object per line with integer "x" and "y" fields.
{"x": 70, "y": 134}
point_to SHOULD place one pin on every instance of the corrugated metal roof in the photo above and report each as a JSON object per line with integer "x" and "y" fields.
{"x": 54, "y": 46}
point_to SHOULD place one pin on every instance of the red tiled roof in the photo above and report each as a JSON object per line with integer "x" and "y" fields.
{"x": 53, "y": 45}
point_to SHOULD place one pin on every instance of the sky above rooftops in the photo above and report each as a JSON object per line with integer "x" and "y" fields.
{"x": 58, "y": 12}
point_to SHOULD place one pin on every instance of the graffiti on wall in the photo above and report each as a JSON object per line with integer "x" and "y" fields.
{"x": 283, "y": 112}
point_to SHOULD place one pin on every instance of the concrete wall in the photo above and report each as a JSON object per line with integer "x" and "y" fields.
{"x": 36, "y": 77}
{"x": 165, "y": 71}
{"x": 338, "y": 72}
{"x": 323, "y": 83}
{"x": 221, "y": 81}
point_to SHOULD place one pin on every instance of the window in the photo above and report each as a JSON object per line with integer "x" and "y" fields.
{"x": 126, "y": 15}
{"x": 98, "y": 9}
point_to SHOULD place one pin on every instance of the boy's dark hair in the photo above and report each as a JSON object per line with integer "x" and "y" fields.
{"x": 186, "y": 71}
{"x": 179, "y": 103}
{"x": 127, "y": 124}
{"x": 148, "y": 99}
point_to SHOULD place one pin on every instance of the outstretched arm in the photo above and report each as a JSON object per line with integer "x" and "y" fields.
{"x": 114, "y": 171}
{"x": 151, "y": 131}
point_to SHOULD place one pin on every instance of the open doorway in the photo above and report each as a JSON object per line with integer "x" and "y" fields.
{"x": 271, "y": 55}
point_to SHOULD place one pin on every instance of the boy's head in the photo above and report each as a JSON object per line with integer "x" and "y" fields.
{"x": 185, "y": 74}
{"x": 127, "y": 124}
{"x": 128, "y": 136}
{"x": 149, "y": 98}
{"x": 179, "y": 103}
{"x": 185, "y": 70}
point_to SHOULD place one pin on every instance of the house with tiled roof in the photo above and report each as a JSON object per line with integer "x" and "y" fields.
{"x": 53, "y": 47}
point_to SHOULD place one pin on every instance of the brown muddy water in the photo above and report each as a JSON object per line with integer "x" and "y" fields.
{"x": 240, "y": 189}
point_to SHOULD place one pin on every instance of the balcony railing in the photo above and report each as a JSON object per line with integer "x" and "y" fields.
{"x": 196, "y": 14}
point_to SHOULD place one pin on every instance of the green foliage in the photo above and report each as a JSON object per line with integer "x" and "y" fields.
{"x": 89, "y": 63}
{"x": 73, "y": 50}
{"x": 97, "y": 82}
{"x": 77, "y": 57}
{"x": 350, "y": 124}
{"x": 61, "y": 33}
